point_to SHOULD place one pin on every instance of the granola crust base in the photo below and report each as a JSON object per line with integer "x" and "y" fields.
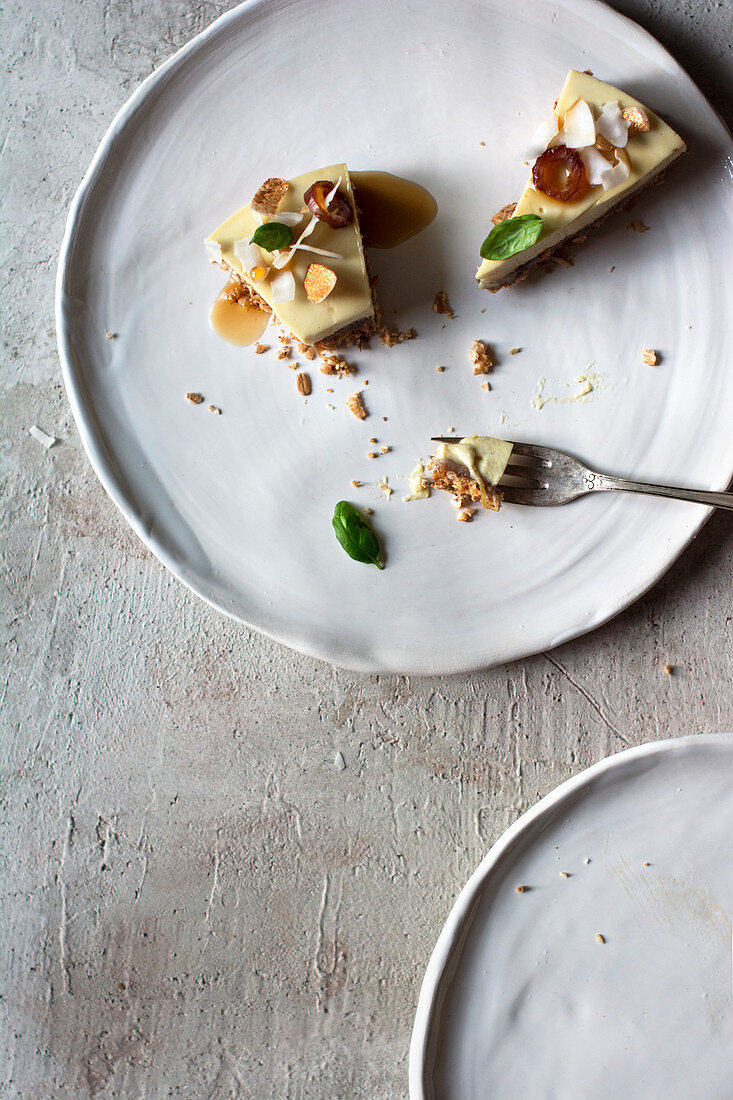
{"x": 463, "y": 487}
{"x": 558, "y": 251}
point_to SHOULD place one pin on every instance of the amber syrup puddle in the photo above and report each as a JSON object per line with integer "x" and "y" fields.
{"x": 391, "y": 209}
{"x": 237, "y": 324}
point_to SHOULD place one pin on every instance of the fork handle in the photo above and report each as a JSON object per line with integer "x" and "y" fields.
{"x": 697, "y": 496}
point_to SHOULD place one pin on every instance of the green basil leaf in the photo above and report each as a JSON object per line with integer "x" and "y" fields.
{"x": 355, "y": 534}
{"x": 511, "y": 236}
{"x": 272, "y": 235}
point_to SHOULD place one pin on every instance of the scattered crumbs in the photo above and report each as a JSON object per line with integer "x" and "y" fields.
{"x": 502, "y": 417}
{"x": 586, "y": 860}
{"x": 385, "y": 450}
{"x": 303, "y": 383}
{"x": 368, "y": 511}
{"x": 466, "y": 515}
{"x": 481, "y": 357}
{"x": 260, "y": 349}
{"x": 668, "y": 670}
{"x": 194, "y": 398}
{"x": 382, "y": 484}
{"x": 442, "y": 305}
{"x": 283, "y": 353}
{"x": 372, "y": 454}
{"x": 121, "y": 986}
{"x": 292, "y": 366}
{"x": 451, "y": 429}
{"x": 214, "y": 409}
{"x": 329, "y": 389}
{"x": 600, "y": 938}
{"x": 486, "y": 386}
{"x": 440, "y": 369}
{"x": 283, "y": 337}
{"x": 482, "y": 143}
{"x": 339, "y": 761}
{"x": 564, "y": 874}
{"x": 110, "y": 335}
{"x": 331, "y": 364}
{"x": 514, "y": 351}
{"x": 372, "y": 439}
{"x": 42, "y": 437}
{"x": 611, "y": 268}
{"x": 309, "y": 353}
{"x": 355, "y": 404}
{"x": 330, "y": 406}
{"x": 520, "y": 889}
{"x": 356, "y": 484}
{"x": 638, "y": 227}
{"x": 366, "y": 381}
{"x": 384, "y": 418}
{"x": 650, "y": 357}
{"x": 392, "y": 336}
{"x": 556, "y": 847}
{"x": 483, "y": 310}
{"x": 646, "y": 863}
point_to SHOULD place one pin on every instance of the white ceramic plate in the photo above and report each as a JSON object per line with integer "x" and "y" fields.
{"x": 239, "y": 506}
{"x": 521, "y": 1000}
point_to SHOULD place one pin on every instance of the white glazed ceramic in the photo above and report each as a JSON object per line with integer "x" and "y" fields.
{"x": 239, "y": 505}
{"x": 520, "y": 999}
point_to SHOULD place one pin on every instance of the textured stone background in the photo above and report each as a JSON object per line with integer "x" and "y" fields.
{"x": 196, "y": 902}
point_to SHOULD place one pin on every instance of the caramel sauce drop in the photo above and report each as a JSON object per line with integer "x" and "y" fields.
{"x": 391, "y": 209}
{"x": 237, "y": 322}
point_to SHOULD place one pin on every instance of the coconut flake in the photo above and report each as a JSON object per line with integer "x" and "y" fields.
{"x": 320, "y": 251}
{"x": 331, "y": 194}
{"x": 579, "y": 128}
{"x": 595, "y": 165}
{"x": 541, "y": 138}
{"x": 213, "y": 249}
{"x": 612, "y": 125}
{"x": 616, "y": 174}
{"x": 287, "y": 217}
{"x": 282, "y": 287}
{"x": 250, "y": 257}
{"x": 41, "y": 436}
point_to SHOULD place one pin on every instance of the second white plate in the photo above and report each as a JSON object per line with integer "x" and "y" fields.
{"x": 239, "y": 505}
{"x": 609, "y": 974}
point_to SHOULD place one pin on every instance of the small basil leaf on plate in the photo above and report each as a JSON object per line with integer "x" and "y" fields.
{"x": 511, "y": 236}
{"x": 272, "y": 235}
{"x": 355, "y": 534}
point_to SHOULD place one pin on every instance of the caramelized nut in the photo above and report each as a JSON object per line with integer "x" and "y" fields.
{"x": 267, "y": 197}
{"x": 319, "y": 282}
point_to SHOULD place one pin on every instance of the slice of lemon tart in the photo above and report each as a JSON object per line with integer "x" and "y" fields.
{"x": 599, "y": 148}
{"x": 296, "y": 251}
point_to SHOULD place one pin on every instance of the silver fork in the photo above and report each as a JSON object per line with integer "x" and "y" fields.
{"x": 553, "y": 477}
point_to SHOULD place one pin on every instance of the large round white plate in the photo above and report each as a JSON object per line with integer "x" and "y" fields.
{"x": 239, "y": 505}
{"x": 521, "y": 1000}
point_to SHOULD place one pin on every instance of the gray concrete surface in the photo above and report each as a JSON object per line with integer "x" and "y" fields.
{"x": 196, "y": 903}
